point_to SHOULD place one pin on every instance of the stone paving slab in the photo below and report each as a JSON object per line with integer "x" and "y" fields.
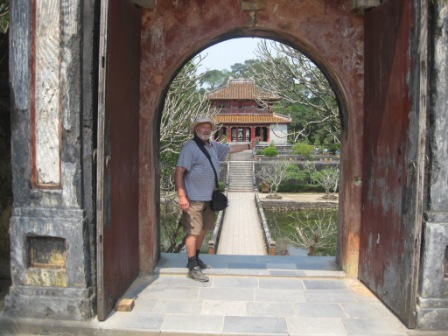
{"x": 241, "y": 232}
{"x": 168, "y": 303}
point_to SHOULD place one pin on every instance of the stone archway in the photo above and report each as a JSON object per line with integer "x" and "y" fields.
{"x": 333, "y": 39}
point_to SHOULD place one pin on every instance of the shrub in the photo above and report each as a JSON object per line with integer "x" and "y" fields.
{"x": 270, "y": 151}
{"x": 303, "y": 148}
{"x": 333, "y": 148}
{"x": 295, "y": 173}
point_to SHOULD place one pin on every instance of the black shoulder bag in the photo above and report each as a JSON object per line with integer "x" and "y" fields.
{"x": 219, "y": 200}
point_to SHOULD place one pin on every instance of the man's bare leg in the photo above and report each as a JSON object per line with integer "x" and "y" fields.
{"x": 194, "y": 270}
{"x": 190, "y": 245}
{"x": 199, "y": 240}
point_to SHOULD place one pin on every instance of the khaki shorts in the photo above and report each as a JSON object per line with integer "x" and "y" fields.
{"x": 199, "y": 217}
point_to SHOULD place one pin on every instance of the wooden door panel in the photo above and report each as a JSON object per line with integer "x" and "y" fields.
{"x": 117, "y": 195}
{"x": 393, "y": 145}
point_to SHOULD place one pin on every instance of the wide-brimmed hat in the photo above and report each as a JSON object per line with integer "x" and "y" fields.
{"x": 201, "y": 120}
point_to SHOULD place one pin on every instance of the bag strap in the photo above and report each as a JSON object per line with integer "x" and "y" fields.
{"x": 207, "y": 154}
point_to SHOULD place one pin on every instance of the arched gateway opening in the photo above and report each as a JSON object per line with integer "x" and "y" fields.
{"x": 338, "y": 57}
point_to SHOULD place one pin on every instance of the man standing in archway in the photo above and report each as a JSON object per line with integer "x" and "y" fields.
{"x": 195, "y": 182}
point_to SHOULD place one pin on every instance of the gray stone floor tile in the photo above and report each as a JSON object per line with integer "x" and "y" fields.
{"x": 193, "y": 324}
{"x": 235, "y": 282}
{"x": 324, "y": 284}
{"x": 178, "y": 281}
{"x": 247, "y": 265}
{"x": 251, "y": 301}
{"x": 321, "y": 310}
{"x": 177, "y": 307}
{"x": 280, "y": 283}
{"x": 373, "y": 327}
{"x": 261, "y": 309}
{"x": 286, "y": 273}
{"x": 247, "y": 272}
{"x": 326, "y": 296}
{"x": 235, "y": 294}
{"x": 255, "y": 325}
{"x": 279, "y": 295}
{"x": 137, "y": 321}
{"x": 224, "y": 307}
{"x": 142, "y": 305}
{"x": 162, "y": 292}
{"x": 372, "y": 310}
{"x": 139, "y": 285}
{"x": 315, "y": 326}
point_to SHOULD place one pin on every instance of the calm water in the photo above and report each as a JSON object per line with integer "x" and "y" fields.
{"x": 318, "y": 228}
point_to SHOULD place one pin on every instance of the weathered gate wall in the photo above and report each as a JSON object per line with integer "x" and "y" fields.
{"x": 173, "y": 32}
{"x": 53, "y": 89}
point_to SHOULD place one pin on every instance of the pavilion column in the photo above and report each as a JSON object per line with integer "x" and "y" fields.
{"x": 229, "y": 134}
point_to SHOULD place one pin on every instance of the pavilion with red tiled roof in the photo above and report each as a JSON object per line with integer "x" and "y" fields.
{"x": 245, "y": 113}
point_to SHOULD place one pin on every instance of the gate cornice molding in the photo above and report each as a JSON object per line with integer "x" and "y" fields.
{"x": 246, "y": 5}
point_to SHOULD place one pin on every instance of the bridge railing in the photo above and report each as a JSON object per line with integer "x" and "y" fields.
{"x": 269, "y": 241}
{"x": 213, "y": 242}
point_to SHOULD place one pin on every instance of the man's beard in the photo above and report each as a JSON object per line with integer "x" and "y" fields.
{"x": 203, "y": 137}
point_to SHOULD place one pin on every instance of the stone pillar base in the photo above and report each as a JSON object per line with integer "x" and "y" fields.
{"x": 51, "y": 264}
{"x": 432, "y": 314}
{"x": 50, "y": 303}
{"x": 432, "y": 305}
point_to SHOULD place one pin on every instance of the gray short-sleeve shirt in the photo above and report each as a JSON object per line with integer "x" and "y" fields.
{"x": 199, "y": 179}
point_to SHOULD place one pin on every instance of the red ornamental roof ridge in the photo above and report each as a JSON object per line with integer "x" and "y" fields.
{"x": 241, "y": 89}
{"x": 251, "y": 119}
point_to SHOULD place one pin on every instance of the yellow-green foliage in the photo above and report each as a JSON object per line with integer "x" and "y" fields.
{"x": 270, "y": 151}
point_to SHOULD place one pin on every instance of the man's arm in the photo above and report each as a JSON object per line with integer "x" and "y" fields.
{"x": 241, "y": 147}
{"x": 181, "y": 193}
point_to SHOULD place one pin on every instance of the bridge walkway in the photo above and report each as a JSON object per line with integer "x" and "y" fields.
{"x": 241, "y": 232}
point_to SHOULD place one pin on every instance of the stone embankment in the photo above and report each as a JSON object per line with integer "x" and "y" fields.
{"x": 297, "y": 201}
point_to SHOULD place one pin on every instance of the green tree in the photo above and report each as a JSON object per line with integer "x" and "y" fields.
{"x": 306, "y": 94}
{"x": 327, "y": 178}
{"x": 303, "y": 148}
{"x": 182, "y": 104}
{"x": 314, "y": 234}
{"x": 243, "y": 70}
{"x": 273, "y": 173}
{"x": 214, "y": 79}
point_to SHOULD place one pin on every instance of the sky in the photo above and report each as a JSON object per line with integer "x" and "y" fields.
{"x": 222, "y": 55}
